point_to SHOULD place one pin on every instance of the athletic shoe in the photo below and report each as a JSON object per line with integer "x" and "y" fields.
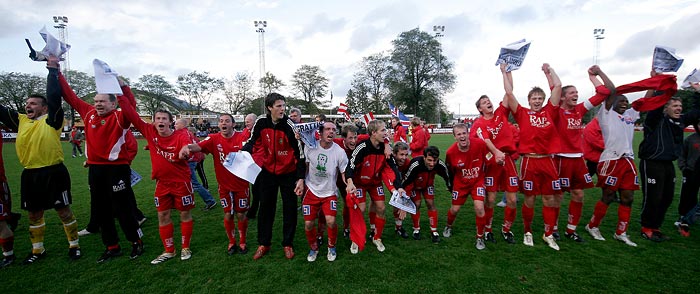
{"x": 354, "y": 249}
{"x": 84, "y": 232}
{"x": 260, "y": 252}
{"x": 401, "y": 233}
{"x": 312, "y": 255}
{"x": 346, "y": 233}
{"x": 556, "y": 236}
{"x": 435, "y": 237}
{"x": 288, "y": 252}
{"x": 595, "y": 233}
{"x": 379, "y": 244}
{"x": 551, "y": 242}
{"x": 661, "y": 235}
{"x": 447, "y": 232}
{"x": 32, "y": 258}
{"x": 508, "y": 236}
{"x": 185, "y": 254}
{"x": 501, "y": 204}
{"x": 527, "y": 239}
{"x": 109, "y": 254}
{"x": 624, "y": 239}
{"x": 488, "y": 236}
{"x": 574, "y": 237}
{"x": 242, "y": 249}
{"x": 7, "y": 260}
{"x": 480, "y": 243}
{"x": 416, "y": 234}
{"x": 136, "y": 249}
{"x": 231, "y": 249}
{"x": 74, "y": 253}
{"x": 141, "y": 221}
{"x": 165, "y": 256}
{"x": 209, "y": 206}
{"x": 654, "y": 235}
{"x": 683, "y": 229}
{"x": 331, "y": 254}
{"x": 14, "y": 220}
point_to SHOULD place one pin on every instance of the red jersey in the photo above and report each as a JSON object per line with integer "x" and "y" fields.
{"x": 219, "y": 146}
{"x": 105, "y": 135}
{"x": 570, "y": 125}
{"x": 466, "y": 169}
{"x": 538, "y": 134}
{"x": 400, "y": 134}
{"x": 496, "y": 129}
{"x": 419, "y": 141}
{"x": 593, "y": 143}
{"x": 280, "y": 151}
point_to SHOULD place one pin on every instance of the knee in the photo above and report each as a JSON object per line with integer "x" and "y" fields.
{"x": 308, "y": 225}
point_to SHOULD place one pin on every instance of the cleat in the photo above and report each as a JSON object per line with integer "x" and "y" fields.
{"x": 401, "y": 233}
{"x": 488, "y": 236}
{"x": 354, "y": 249}
{"x": 574, "y": 237}
{"x": 312, "y": 255}
{"x": 141, "y": 221}
{"x": 654, "y": 235}
{"x": 7, "y": 260}
{"x": 14, "y": 220}
{"x": 683, "y": 229}
{"x": 74, "y": 253}
{"x": 185, "y": 254}
{"x": 136, "y": 250}
{"x": 346, "y": 233}
{"x": 379, "y": 244}
{"x": 447, "y": 232}
{"x": 551, "y": 242}
{"x": 84, "y": 232}
{"x": 109, "y": 254}
{"x": 527, "y": 239}
{"x": 260, "y": 252}
{"x": 480, "y": 243}
{"x": 209, "y": 206}
{"x": 595, "y": 233}
{"x": 624, "y": 239}
{"x": 556, "y": 236}
{"x": 416, "y": 234}
{"x": 32, "y": 258}
{"x": 231, "y": 249}
{"x": 288, "y": 252}
{"x": 435, "y": 238}
{"x": 165, "y": 256}
{"x": 331, "y": 254}
{"x": 242, "y": 249}
{"x": 508, "y": 236}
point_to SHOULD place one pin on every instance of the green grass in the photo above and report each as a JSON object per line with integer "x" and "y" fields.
{"x": 407, "y": 266}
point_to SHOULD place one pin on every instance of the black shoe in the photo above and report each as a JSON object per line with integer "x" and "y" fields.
{"x": 416, "y": 235}
{"x": 574, "y": 237}
{"x": 319, "y": 241}
{"x": 508, "y": 236}
{"x": 488, "y": 237}
{"x": 14, "y": 220}
{"x": 435, "y": 237}
{"x": 556, "y": 236}
{"x": 661, "y": 236}
{"x": 74, "y": 253}
{"x": 109, "y": 254}
{"x": 231, "y": 249}
{"x": 242, "y": 250}
{"x": 401, "y": 233}
{"x": 136, "y": 249}
{"x": 370, "y": 237}
{"x": 654, "y": 236}
{"x": 346, "y": 233}
{"x": 32, "y": 258}
{"x": 209, "y": 206}
{"x": 7, "y": 260}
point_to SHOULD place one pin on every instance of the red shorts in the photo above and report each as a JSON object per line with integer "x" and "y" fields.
{"x": 573, "y": 173}
{"x": 538, "y": 176}
{"x": 5, "y": 202}
{"x": 419, "y": 194}
{"x": 499, "y": 178}
{"x": 312, "y": 204}
{"x": 176, "y": 195}
{"x": 460, "y": 197}
{"x": 234, "y": 200}
{"x": 375, "y": 193}
{"x": 619, "y": 174}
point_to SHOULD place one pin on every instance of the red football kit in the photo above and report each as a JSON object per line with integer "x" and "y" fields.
{"x": 466, "y": 170}
{"x": 233, "y": 191}
{"x": 497, "y": 129}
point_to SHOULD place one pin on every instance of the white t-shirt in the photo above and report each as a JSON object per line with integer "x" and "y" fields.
{"x": 324, "y": 167}
{"x": 618, "y": 133}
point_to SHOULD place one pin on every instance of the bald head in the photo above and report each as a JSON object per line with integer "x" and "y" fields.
{"x": 180, "y": 124}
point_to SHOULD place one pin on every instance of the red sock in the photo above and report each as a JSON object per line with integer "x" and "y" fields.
{"x": 549, "y": 216}
{"x": 346, "y": 217}
{"x": 433, "y": 218}
{"x": 623, "y": 218}
{"x": 528, "y": 214}
{"x": 575, "y": 209}
{"x": 480, "y": 223}
{"x": 372, "y": 219}
{"x": 555, "y": 226}
{"x": 166, "y": 235}
{"x": 186, "y": 230}
{"x": 450, "y": 218}
{"x": 416, "y": 219}
{"x": 379, "y": 224}
{"x": 332, "y": 235}
{"x": 508, "y": 218}
{"x": 230, "y": 227}
{"x": 311, "y": 238}
{"x": 243, "y": 230}
{"x": 598, "y": 214}
{"x": 488, "y": 216}
{"x": 7, "y": 243}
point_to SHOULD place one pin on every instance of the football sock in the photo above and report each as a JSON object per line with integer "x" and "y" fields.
{"x": 230, "y": 227}
{"x": 488, "y": 216}
{"x": 575, "y": 209}
{"x": 311, "y": 238}
{"x": 433, "y": 218}
{"x": 166, "y": 236}
{"x": 549, "y": 216}
{"x": 528, "y": 214}
{"x": 623, "y": 218}
{"x": 7, "y": 244}
{"x": 332, "y": 235}
{"x": 36, "y": 235}
{"x": 379, "y": 221}
{"x": 186, "y": 231}
{"x": 243, "y": 230}
{"x": 480, "y": 223}
{"x": 416, "y": 219}
{"x": 70, "y": 227}
{"x": 508, "y": 218}
{"x": 598, "y": 213}
{"x": 450, "y": 218}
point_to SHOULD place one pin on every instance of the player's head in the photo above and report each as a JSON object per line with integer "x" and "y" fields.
{"x": 415, "y": 121}
{"x": 535, "y": 99}
{"x": 395, "y": 122}
{"x": 461, "y": 133}
{"x": 275, "y": 105}
{"x": 431, "y": 154}
{"x": 250, "y": 120}
{"x": 483, "y": 104}
{"x": 349, "y": 134}
{"x": 320, "y": 117}
{"x": 180, "y": 124}
{"x": 673, "y": 107}
{"x": 620, "y": 104}
{"x": 104, "y": 103}
{"x": 295, "y": 115}
{"x": 569, "y": 96}
{"x": 377, "y": 130}
{"x": 400, "y": 151}
{"x": 162, "y": 120}
{"x": 36, "y": 106}
{"x": 226, "y": 122}
{"x": 328, "y": 131}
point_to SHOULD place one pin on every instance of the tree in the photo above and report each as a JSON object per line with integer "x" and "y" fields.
{"x": 310, "y": 82}
{"x": 270, "y": 83}
{"x": 419, "y": 74}
{"x": 238, "y": 92}
{"x": 373, "y": 73}
{"x": 153, "y": 91}
{"x": 358, "y": 96}
{"x": 16, "y": 87}
{"x": 82, "y": 84}
{"x": 198, "y": 88}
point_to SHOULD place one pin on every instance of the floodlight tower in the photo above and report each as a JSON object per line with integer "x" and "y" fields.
{"x": 598, "y": 35}
{"x": 61, "y": 23}
{"x": 260, "y": 26}
{"x": 439, "y": 33}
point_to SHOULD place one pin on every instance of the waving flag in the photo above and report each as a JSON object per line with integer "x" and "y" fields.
{"x": 395, "y": 112}
{"x": 343, "y": 109}
{"x": 368, "y": 118}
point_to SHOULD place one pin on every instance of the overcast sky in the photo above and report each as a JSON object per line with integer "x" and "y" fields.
{"x": 173, "y": 37}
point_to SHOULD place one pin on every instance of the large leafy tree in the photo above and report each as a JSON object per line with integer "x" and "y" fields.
{"x": 270, "y": 83}
{"x": 238, "y": 92}
{"x": 419, "y": 74}
{"x": 373, "y": 73}
{"x": 153, "y": 92}
{"x": 310, "y": 82}
{"x": 358, "y": 96}
{"x": 16, "y": 87}
{"x": 198, "y": 88}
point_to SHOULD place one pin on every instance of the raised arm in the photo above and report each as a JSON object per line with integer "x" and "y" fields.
{"x": 53, "y": 97}
{"x": 131, "y": 114}
{"x": 508, "y": 98}
{"x": 600, "y": 92}
{"x": 555, "y": 84}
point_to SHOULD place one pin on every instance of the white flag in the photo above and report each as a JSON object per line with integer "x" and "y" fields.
{"x": 106, "y": 79}
{"x": 53, "y": 46}
{"x": 513, "y": 54}
{"x": 242, "y": 165}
